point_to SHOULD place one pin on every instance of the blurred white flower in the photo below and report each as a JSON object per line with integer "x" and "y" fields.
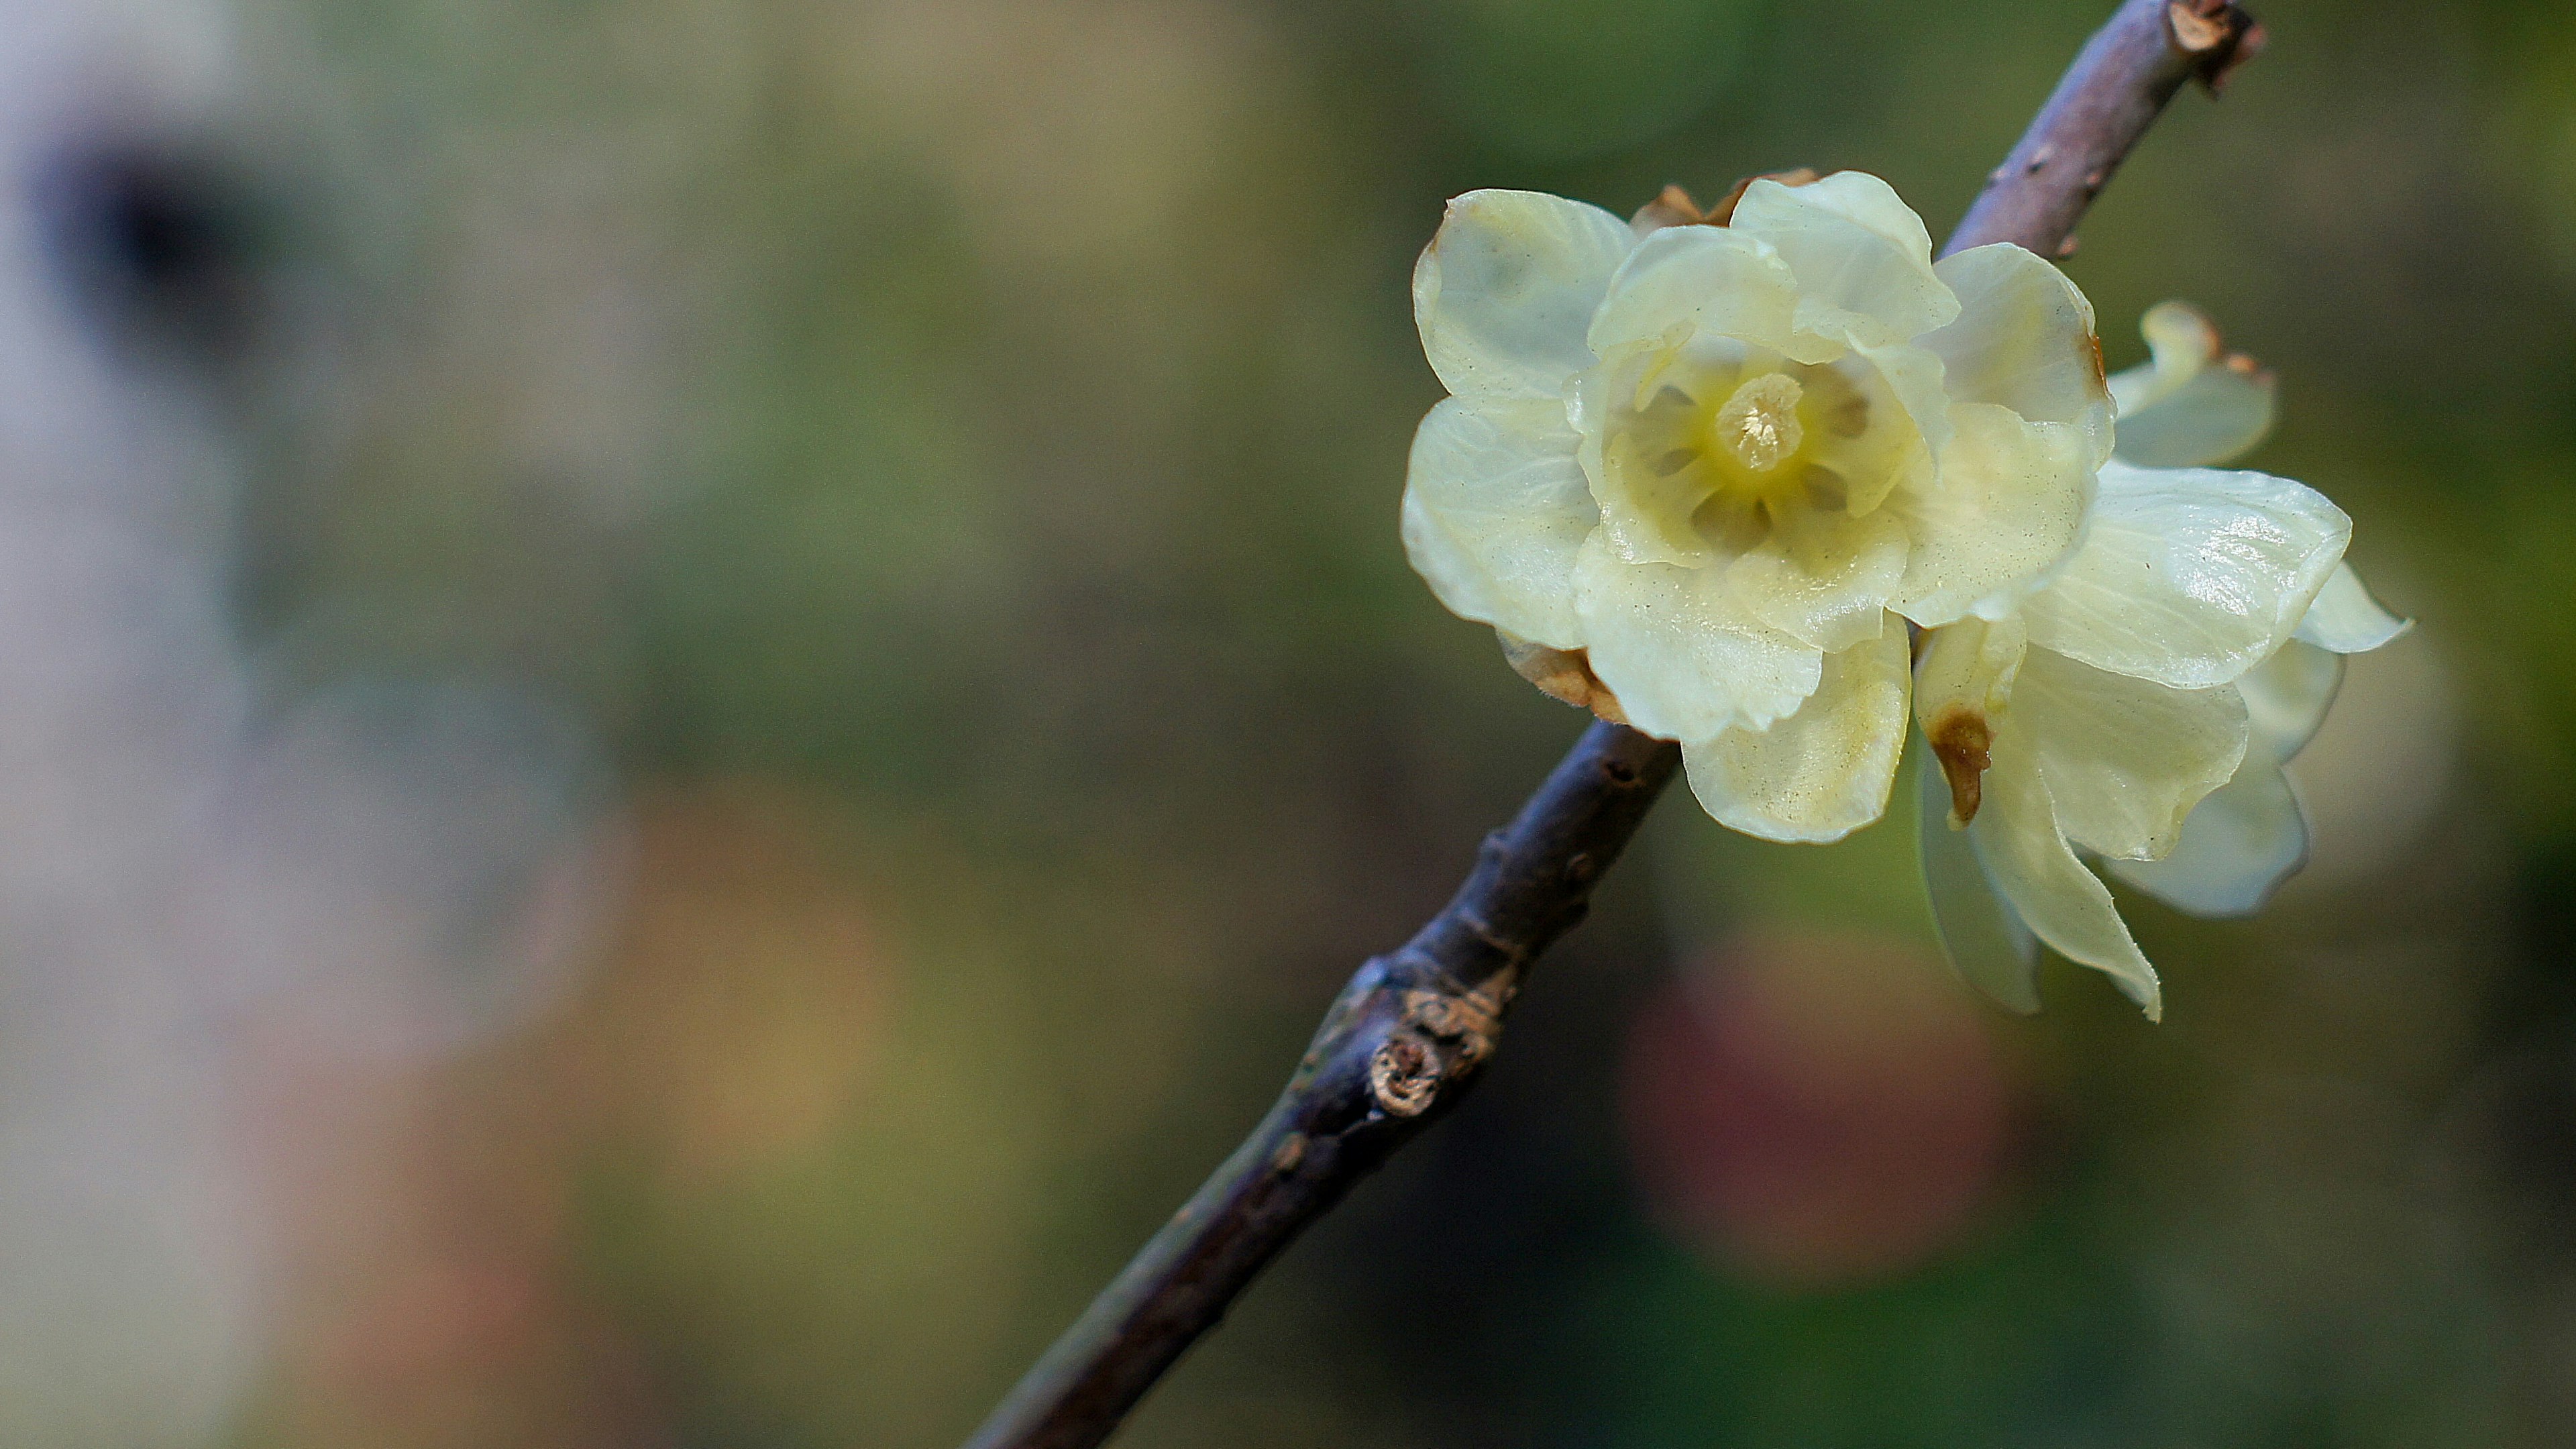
{"x": 1701, "y": 479}
{"x": 2140, "y": 705}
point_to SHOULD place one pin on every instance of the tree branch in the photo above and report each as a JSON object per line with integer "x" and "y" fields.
{"x": 1405, "y": 1038}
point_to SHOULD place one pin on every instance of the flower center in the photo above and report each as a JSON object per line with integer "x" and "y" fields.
{"x": 1758, "y": 425}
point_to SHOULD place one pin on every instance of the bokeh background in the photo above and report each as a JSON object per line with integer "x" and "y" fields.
{"x": 696, "y": 695}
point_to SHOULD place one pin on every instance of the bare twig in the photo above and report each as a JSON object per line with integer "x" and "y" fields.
{"x": 1406, "y": 1036}
{"x": 2107, "y": 99}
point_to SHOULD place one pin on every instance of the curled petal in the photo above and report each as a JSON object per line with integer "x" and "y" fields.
{"x": 1505, "y": 291}
{"x": 2182, "y": 343}
{"x": 2189, "y": 576}
{"x": 2189, "y": 406}
{"x": 2125, "y": 760}
{"x": 1495, "y": 508}
{"x": 2008, "y": 504}
{"x": 2239, "y": 845}
{"x": 1685, "y": 658}
{"x": 1985, "y": 938}
{"x": 2024, "y": 340}
{"x": 1692, "y": 279}
{"x": 1863, "y": 259}
{"x": 1824, "y": 771}
{"x": 2017, "y": 841}
{"x": 2346, "y": 619}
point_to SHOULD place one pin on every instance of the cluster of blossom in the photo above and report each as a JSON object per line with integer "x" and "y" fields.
{"x": 1771, "y": 482}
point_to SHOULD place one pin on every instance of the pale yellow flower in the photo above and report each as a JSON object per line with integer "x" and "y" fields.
{"x": 2139, "y": 706}
{"x": 1705, "y": 477}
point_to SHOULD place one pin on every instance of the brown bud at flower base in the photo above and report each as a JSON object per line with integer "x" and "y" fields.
{"x": 1674, "y": 207}
{"x": 1961, "y": 739}
{"x": 1564, "y": 674}
{"x": 1671, "y": 207}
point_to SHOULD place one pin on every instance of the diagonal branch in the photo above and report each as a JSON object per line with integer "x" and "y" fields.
{"x": 1406, "y": 1036}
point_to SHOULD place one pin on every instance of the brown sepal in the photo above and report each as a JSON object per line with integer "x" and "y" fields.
{"x": 1564, "y": 674}
{"x": 1961, "y": 741}
{"x": 1674, "y": 207}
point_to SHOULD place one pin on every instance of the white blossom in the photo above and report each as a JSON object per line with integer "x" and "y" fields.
{"x": 1703, "y": 478}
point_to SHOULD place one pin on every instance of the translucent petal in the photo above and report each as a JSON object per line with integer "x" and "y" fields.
{"x": 2024, "y": 340}
{"x": 1913, "y": 378}
{"x": 2008, "y": 503}
{"x": 1863, "y": 259}
{"x": 1495, "y": 508}
{"x": 1711, "y": 279}
{"x": 2346, "y": 619}
{"x": 1504, "y": 293}
{"x": 2216, "y": 417}
{"x": 2064, "y": 904}
{"x": 1685, "y": 658}
{"x": 1823, "y": 772}
{"x": 1986, "y": 940}
{"x": 1823, "y": 577}
{"x": 2251, "y": 834}
{"x": 2240, "y": 844}
{"x": 2285, "y": 700}
{"x": 2188, "y": 407}
{"x": 2125, "y": 760}
{"x": 2189, "y": 576}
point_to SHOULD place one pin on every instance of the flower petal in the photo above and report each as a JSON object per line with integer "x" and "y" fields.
{"x": 1863, "y": 259}
{"x": 2285, "y": 700}
{"x": 1984, "y": 936}
{"x": 2216, "y": 417}
{"x": 2124, "y": 760}
{"x": 1685, "y": 658}
{"x": 2189, "y": 576}
{"x": 1824, "y": 771}
{"x": 2251, "y": 833}
{"x": 2239, "y": 845}
{"x": 2346, "y": 619}
{"x": 2065, "y": 905}
{"x": 2008, "y": 503}
{"x": 1823, "y": 576}
{"x": 1711, "y": 279}
{"x": 1913, "y": 381}
{"x": 1506, "y": 289}
{"x": 2024, "y": 340}
{"x": 1495, "y": 508}
{"x": 2186, "y": 407}
{"x": 2181, "y": 343}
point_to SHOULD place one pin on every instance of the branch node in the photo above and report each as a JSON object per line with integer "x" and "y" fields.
{"x": 1404, "y": 1076}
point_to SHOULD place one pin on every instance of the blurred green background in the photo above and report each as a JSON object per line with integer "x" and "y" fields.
{"x": 943, "y": 455}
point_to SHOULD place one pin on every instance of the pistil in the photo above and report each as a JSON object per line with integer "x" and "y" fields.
{"x": 1758, "y": 426}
